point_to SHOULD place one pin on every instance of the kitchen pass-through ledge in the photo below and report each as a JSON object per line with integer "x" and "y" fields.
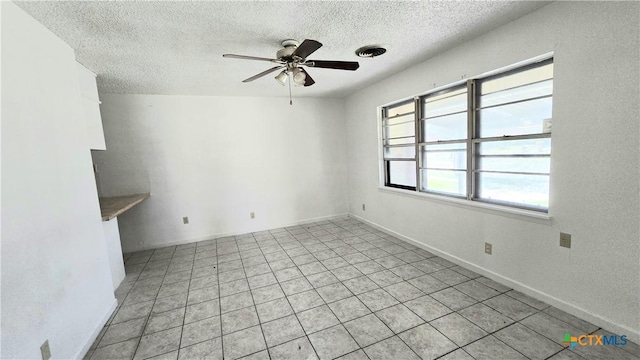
{"x": 113, "y": 206}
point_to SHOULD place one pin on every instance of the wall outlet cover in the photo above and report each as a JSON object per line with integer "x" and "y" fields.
{"x": 488, "y": 248}
{"x": 565, "y": 240}
{"x": 185, "y": 220}
{"x": 252, "y": 215}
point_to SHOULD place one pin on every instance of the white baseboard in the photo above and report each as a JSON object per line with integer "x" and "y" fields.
{"x": 215, "y": 236}
{"x": 633, "y": 335}
{"x": 96, "y": 330}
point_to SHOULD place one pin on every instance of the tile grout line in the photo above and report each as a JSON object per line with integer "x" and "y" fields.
{"x": 154, "y": 304}
{"x": 109, "y": 321}
{"x": 394, "y": 334}
{"x": 340, "y": 322}
{"x": 457, "y": 312}
{"x": 185, "y": 307}
{"x": 186, "y": 304}
{"x": 148, "y": 317}
{"x": 341, "y": 255}
{"x": 369, "y": 309}
{"x": 495, "y": 331}
{"x": 264, "y": 338}
{"x": 374, "y": 313}
{"x": 334, "y": 314}
{"x": 313, "y": 287}
{"x": 325, "y": 302}
{"x": 287, "y": 298}
{"x": 399, "y": 303}
{"x": 219, "y": 300}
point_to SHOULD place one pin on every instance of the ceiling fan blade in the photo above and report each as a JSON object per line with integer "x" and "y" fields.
{"x": 308, "y": 80}
{"x": 245, "y": 57}
{"x": 329, "y": 64}
{"x": 307, "y": 48}
{"x": 263, "y": 73}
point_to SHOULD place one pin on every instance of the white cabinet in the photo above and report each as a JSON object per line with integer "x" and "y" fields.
{"x": 91, "y": 108}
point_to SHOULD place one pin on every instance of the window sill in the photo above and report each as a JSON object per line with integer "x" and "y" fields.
{"x": 520, "y": 214}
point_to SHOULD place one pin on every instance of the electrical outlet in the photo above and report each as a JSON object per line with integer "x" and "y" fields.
{"x": 45, "y": 350}
{"x": 185, "y": 220}
{"x": 363, "y": 208}
{"x": 565, "y": 240}
{"x": 487, "y": 248}
{"x": 253, "y": 215}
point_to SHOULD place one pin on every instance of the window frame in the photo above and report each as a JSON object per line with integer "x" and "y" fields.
{"x": 420, "y": 119}
{"x": 471, "y": 141}
{"x": 387, "y": 161}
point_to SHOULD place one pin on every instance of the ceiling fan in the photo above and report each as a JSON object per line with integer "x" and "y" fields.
{"x": 291, "y": 58}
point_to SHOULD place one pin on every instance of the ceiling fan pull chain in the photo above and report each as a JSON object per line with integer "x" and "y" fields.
{"x": 290, "y": 100}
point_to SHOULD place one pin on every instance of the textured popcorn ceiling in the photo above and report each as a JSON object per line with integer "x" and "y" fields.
{"x": 176, "y": 47}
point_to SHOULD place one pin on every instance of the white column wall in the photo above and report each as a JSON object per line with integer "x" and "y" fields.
{"x": 56, "y": 282}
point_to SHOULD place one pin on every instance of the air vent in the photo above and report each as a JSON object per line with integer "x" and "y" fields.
{"x": 370, "y": 51}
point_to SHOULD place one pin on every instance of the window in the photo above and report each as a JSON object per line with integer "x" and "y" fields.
{"x": 487, "y": 139}
{"x": 399, "y": 145}
{"x": 443, "y": 143}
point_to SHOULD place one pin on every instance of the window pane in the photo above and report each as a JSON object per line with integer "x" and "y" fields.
{"x": 515, "y": 147}
{"x": 399, "y": 141}
{"x": 524, "y": 190}
{"x": 446, "y": 182}
{"x": 447, "y": 103}
{"x": 519, "y": 93}
{"x": 452, "y": 127}
{"x": 400, "y": 152}
{"x": 447, "y": 156}
{"x": 512, "y": 81}
{"x": 516, "y": 119}
{"x": 394, "y": 131}
{"x": 515, "y": 164}
{"x": 400, "y": 119}
{"x": 400, "y": 109}
{"x": 402, "y": 173}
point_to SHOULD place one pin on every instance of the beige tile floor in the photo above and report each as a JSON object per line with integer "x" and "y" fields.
{"x": 331, "y": 289}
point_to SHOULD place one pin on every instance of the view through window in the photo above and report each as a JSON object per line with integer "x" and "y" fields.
{"x": 487, "y": 139}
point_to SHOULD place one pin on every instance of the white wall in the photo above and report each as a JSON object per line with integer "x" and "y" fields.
{"x": 56, "y": 283}
{"x": 114, "y": 251}
{"x": 594, "y": 171}
{"x": 216, "y": 159}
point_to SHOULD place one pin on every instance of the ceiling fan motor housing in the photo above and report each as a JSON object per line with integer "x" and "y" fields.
{"x": 289, "y": 46}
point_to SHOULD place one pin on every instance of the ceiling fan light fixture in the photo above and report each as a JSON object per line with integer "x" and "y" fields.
{"x": 282, "y": 77}
{"x": 299, "y": 77}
